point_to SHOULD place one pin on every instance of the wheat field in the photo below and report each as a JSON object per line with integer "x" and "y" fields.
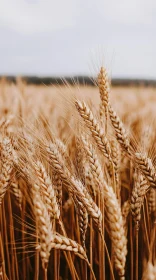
{"x": 77, "y": 181}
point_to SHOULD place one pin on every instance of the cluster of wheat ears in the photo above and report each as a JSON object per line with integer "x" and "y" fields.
{"x": 77, "y": 183}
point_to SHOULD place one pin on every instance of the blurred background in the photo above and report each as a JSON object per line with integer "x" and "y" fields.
{"x": 73, "y": 37}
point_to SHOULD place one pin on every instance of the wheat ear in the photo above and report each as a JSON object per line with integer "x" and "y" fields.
{"x": 116, "y": 158}
{"x": 74, "y": 186}
{"x": 125, "y": 213}
{"x": 145, "y": 165}
{"x": 95, "y": 129}
{"x": 151, "y": 196}
{"x": 82, "y": 219}
{"x": 47, "y": 190}
{"x": 104, "y": 89}
{"x": 44, "y": 226}
{"x": 63, "y": 243}
{"x": 120, "y": 131}
{"x": 89, "y": 181}
{"x": 6, "y": 167}
{"x": 16, "y": 191}
{"x": 94, "y": 164}
{"x": 58, "y": 188}
{"x": 137, "y": 197}
{"x": 113, "y": 213}
{"x": 117, "y": 230}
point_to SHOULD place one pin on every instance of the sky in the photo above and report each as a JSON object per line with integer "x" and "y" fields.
{"x": 76, "y": 37}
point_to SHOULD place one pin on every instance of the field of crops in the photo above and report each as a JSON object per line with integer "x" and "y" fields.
{"x": 77, "y": 181}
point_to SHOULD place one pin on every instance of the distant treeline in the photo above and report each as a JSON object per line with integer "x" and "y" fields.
{"x": 82, "y": 80}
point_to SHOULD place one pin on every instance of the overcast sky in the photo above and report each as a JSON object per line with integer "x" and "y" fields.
{"x": 72, "y": 37}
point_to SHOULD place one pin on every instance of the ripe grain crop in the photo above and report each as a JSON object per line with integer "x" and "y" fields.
{"x": 77, "y": 181}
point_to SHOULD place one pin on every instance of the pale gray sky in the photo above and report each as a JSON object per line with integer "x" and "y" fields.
{"x": 68, "y": 37}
